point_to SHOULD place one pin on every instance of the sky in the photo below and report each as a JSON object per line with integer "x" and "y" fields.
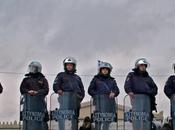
{"x": 116, "y": 31}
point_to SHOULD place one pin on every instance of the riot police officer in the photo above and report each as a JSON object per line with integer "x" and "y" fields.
{"x": 35, "y": 88}
{"x": 169, "y": 88}
{"x": 35, "y": 82}
{"x": 140, "y": 87}
{"x": 169, "y": 91}
{"x": 139, "y": 81}
{"x": 103, "y": 83}
{"x": 1, "y": 88}
{"x": 103, "y": 89}
{"x": 69, "y": 82}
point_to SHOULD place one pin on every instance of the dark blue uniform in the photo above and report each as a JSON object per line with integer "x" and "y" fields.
{"x": 36, "y": 82}
{"x": 69, "y": 82}
{"x": 1, "y": 88}
{"x": 103, "y": 85}
{"x": 140, "y": 83}
{"x": 169, "y": 88}
{"x": 39, "y": 83}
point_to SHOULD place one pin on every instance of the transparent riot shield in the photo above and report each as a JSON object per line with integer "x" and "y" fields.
{"x": 33, "y": 111}
{"x": 104, "y": 113}
{"x": 137, "y": 112}
{"x": 173, "y": 111}
{"x": 64, "y": 111}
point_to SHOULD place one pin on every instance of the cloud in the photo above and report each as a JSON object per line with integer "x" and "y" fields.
{"x": 115, "y": 31}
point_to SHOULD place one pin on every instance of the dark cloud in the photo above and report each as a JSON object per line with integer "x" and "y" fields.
{"x": 115, "y": 31}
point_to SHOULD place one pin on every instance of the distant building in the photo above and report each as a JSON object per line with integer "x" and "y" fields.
{"x": 9, "y": 125}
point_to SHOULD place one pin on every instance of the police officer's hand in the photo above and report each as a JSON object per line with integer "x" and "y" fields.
{"x": 35, "y": 93}
{"x": 32, "y": 92}
{"x": 131, "y": 95}
{"x": 112, "y": 95}
{"x": 60, "y": 92}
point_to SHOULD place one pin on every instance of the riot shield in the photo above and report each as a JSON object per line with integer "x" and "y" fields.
{"x": 104, "y": 112}
{"x": 137, "y": 112}
{"x": 21, "y": 106}
{"x": 33, "y": 113}
{"x": 64, "y": 111}
{"x": 173, "y": 111}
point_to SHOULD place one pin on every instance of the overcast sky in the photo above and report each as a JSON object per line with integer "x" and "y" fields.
{"x": 117, "y": 31}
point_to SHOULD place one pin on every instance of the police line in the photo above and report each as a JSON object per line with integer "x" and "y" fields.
{"x": 137, "y": 114}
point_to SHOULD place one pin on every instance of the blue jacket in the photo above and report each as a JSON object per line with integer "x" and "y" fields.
{"x": 103, "y": 85}
{"x": 169, "y": 88}
{"x": 140, "y": 83}
{"x": 69, "y": 82}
